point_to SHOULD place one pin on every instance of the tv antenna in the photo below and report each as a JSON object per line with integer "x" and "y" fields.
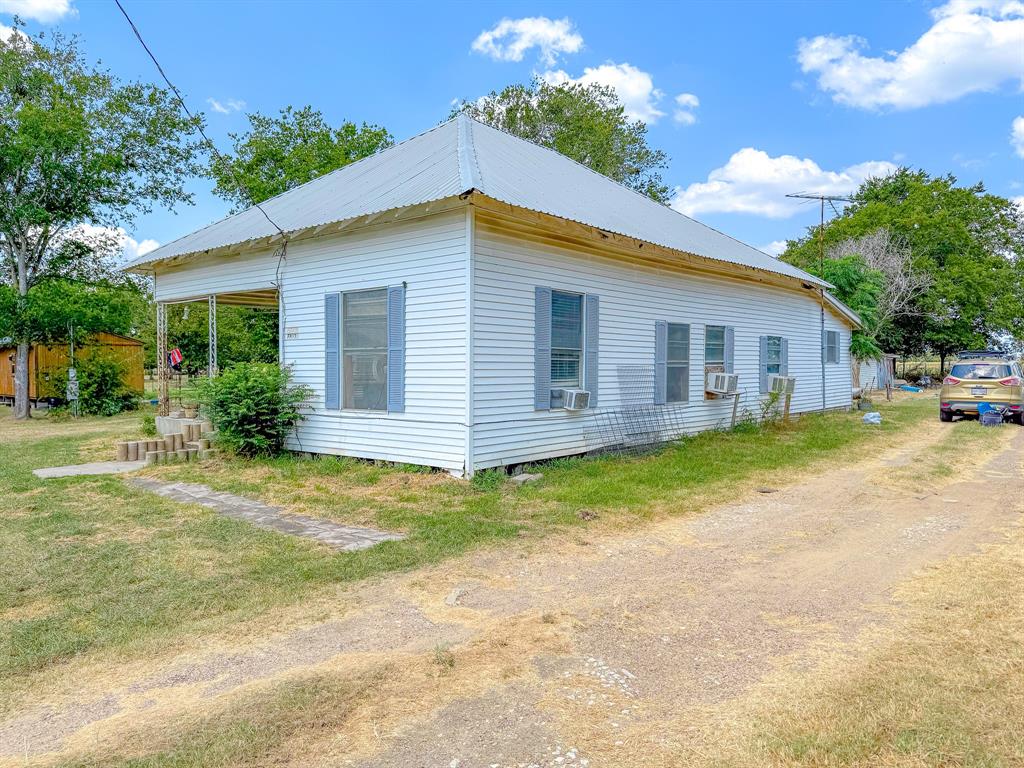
{"x": 831, "y": 200}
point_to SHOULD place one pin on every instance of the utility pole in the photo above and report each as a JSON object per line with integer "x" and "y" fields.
{"x": 832, "y": 200}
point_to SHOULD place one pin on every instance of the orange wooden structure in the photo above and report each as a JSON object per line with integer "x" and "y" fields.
{"x": 46, "y": 363}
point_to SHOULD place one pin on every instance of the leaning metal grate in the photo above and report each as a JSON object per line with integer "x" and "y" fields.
{"x": 637, "y": 425}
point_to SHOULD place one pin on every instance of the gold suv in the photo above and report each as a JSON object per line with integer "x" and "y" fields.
{"x": 982, "y": 377}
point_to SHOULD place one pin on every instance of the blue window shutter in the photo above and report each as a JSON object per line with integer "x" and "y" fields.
{"x": 762, "y": 365}
{"x": 542, "y": 349}
{"x": 730, "y": 349}
{"x": 591, "y": 345}
{"x": 784, "y": 370}
{"x": 660, "y": 361}
{"x": 396, "y": 349}
{"x": 332, "y": 351}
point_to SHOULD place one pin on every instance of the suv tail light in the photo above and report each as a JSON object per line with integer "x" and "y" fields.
{"x": 952, "y": 380}
{"x": 1011, "y": 381}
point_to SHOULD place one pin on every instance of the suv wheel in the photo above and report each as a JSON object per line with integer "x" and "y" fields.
{"x": 945, "y": 415}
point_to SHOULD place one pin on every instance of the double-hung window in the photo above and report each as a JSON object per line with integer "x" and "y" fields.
{"x": 364, "y": 330}
{"x": 677, "y": 370}
{"x": 566, "y": 340}
{"x": 773, "y": 356}
{"x": 714, "y": 349}
{"x": 831, "y": 346}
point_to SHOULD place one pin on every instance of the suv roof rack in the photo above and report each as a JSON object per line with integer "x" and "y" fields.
{"x": 966, "y": 354}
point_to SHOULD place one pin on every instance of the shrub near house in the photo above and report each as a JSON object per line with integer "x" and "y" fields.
{"x": 253, "y": 407}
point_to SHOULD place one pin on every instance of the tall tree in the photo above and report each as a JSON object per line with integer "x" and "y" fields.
{"x": 79, "y": 150}
{"x": 585, "y": 122}
{"x": 968, "y": 243}
{"x": 279, "y": 153}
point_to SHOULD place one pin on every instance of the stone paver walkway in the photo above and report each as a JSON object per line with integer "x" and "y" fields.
{"x": 347, "y": 538}
{"x": 94, "y": 468}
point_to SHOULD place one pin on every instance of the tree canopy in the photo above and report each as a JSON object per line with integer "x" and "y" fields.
{"x": 81, "y": 152}
{"x": 967, "y": 244}
{"x": 279, "y": 153}
{"x": 585, "y": 122}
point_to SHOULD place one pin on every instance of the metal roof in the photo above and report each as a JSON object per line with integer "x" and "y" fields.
{"x": 460, "y": 155}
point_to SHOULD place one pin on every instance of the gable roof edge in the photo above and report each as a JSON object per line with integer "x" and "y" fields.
{"x": 469, "y": 171}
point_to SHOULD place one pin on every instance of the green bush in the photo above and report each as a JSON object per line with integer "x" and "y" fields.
{"x": 102, "y": 390}
{"x": 253, "y": 407}
{"x": 149, "y": 424}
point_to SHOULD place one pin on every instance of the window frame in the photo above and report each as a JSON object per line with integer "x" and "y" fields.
{"x": 580, "y": 351}
{"x": 768, "y": 352}
{"x": 707, "y": 364}
{"x": 830, "y": 347}
{"x": 680, "y": 364}
{"x": 344, "y": 351}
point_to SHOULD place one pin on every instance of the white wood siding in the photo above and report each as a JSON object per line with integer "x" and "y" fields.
{"x": 506, "y": 270}
{"x": 430, "y": 256}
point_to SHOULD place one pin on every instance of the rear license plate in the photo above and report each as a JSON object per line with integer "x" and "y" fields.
{"x": 978, "y": 391}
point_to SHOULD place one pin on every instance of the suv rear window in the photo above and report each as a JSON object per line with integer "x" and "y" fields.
{"x": 980, "y": 371}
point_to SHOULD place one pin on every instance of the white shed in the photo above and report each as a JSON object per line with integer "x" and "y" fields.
{"x": 443, "y": 296}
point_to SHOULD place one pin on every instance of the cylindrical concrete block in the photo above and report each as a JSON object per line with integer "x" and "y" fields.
{"x": 203, "y": 443}
{"x": 206, "y": 426}
{"x": 179, "y": 442}
{"x": 122, "y": 450}
{"x": 192, "y": 453}
{"x": 152, "y": 457}
{"x": 182, "y": 455}
{"x": 168, "y": 443}
{"x": 133, "y": 451}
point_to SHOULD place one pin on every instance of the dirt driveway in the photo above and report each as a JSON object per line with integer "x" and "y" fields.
{"x": 593, "y": 649}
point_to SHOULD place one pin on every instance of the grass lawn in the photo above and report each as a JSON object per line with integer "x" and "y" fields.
{"x": 92, "y": 566}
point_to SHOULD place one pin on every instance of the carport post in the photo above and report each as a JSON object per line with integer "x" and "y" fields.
{"x": 211, "y": 363}
{"x": 162, "y": 374}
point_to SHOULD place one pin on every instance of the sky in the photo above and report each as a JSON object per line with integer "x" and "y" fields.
{"x": 750, "y": 100}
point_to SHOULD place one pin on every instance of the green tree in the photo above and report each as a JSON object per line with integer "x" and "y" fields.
{"x": 80, "y": 152}
{"x": 969, "y": 244}
{"x": 585, "y": 122}
{"x": 279, "y": 153}
{"x": 858, "y": 287}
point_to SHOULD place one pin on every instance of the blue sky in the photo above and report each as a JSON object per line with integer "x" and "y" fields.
{"x": 751, "y": 100}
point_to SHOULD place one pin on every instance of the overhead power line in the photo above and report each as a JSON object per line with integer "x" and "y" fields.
{"x": 199, "y": 127}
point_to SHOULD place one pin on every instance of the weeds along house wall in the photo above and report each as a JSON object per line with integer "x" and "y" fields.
{"x": 429, "y": 255}
{"x": 506, "y": 270}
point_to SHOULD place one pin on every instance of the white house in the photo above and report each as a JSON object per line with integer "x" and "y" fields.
{"x": 441, "y": 296}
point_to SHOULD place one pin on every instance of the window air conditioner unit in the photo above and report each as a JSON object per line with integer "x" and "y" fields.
{"x": 784, "y": 385}
{"x": 575, "y": 399}
{"x": 722, "y": 383}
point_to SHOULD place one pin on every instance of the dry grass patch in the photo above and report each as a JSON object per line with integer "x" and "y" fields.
{"x": 944, "y": 686}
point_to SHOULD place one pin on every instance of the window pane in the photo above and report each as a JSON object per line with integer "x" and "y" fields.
{"x": 774, "y": 368}
{"x": 774, "y": 352}
{"x": 566, "y": 320}
{"x": 678, "y": 343}
{"x": 364, "y": 328}
{"x": 565, "y": 368}
{"x": 364, "y": 320}
{"x": 980, "y": 371}
{"x": 366, "y": 381}
{"x": 678, "y": 377}
{"x": 714, "y": 345}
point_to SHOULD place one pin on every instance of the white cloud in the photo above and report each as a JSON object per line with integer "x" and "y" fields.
{"x": 686, "y": 103}
{"x": 635, "y": 88}
{"x": 115, "y": 240}
{"x": 1017, "y": 135}
{"x": 44, "y": 11}
{"x": 774, "y": 249}
{"x": 227, "y": 106}
{"x": 972, "y": 46}
{"x": 510, "y": 39}
{"x": 754, "y": 182}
